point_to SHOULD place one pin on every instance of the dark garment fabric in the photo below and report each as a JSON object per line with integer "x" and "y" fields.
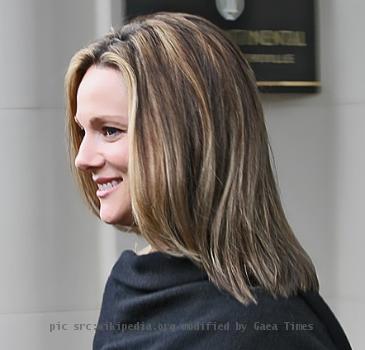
{"x": 157, "y": 301}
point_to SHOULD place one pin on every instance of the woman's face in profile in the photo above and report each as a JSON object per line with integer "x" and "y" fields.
{"x": 102, "y": 113}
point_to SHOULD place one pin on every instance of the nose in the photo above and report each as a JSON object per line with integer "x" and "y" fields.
{"x": 88, "y": 157}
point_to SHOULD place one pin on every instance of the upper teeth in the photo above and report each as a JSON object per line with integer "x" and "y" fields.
{"x": 108, "y": 185}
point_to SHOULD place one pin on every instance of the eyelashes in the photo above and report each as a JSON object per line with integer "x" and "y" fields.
{"x": 110, "y": 131}
{"x": 81, "y": 132}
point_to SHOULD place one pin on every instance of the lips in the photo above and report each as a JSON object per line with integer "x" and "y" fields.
{"x": 107, "y": 185}
{"x": 105, "y": 180}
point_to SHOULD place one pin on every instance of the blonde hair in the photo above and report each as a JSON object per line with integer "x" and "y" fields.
{"x": 201, "y": 178}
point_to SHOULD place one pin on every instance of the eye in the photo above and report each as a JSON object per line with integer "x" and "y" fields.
{"x": 81, "y": 132}
{"x": 110, "y": 131}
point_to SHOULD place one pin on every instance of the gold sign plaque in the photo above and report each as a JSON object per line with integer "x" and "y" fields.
{"x": 278, "y": 38}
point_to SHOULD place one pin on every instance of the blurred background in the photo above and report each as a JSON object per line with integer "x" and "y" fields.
{"x": 55, "y": 256}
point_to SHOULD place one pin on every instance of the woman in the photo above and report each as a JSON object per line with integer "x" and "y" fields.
{"x": 168, "y": 138}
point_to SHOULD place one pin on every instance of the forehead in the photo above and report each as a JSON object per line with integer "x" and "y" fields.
{"x": 102, "y": 91}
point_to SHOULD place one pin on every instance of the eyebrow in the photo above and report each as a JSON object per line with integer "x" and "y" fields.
{"x": 98, "y": 120}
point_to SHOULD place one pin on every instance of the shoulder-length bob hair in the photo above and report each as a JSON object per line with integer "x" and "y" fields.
{"x": 201, "y": 179}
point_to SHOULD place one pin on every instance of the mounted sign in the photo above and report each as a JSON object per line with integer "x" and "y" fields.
{"x": 277, "y": 37}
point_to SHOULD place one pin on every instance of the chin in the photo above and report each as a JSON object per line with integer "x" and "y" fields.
{"x": 124, "y": 219}
{"x": 107, "y": 220}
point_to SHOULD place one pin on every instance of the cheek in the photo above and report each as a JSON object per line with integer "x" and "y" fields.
{"x": 119, "y": 158}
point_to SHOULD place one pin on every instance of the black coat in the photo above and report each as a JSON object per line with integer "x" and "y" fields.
{"x": 157, "y": 301}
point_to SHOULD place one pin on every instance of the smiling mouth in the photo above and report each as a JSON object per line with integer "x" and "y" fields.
{"x": 109, "y": 185}
{"x": 105, "y": 189}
